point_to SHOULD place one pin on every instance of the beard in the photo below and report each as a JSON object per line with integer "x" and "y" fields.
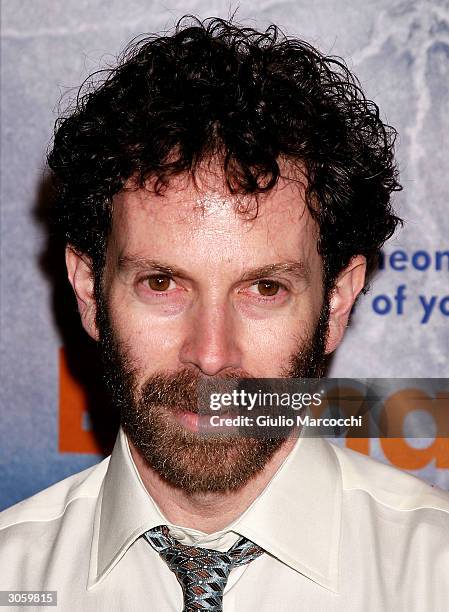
{"x": 182, "y": 458}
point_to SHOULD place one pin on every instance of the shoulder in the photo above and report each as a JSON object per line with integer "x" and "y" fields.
{"x": 51, "y": 503}
{"x": 388, "y": 485}
{"x": 45, "y": 539}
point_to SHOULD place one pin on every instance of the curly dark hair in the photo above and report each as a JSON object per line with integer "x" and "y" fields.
{"x": 254, "y": 98}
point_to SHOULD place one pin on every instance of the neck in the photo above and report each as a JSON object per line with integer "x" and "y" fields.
{"x": 207, "y": 512}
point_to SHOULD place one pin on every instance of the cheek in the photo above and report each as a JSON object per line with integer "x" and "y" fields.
{"x": 268, "y": 346}
{"x": 151, "y": 343}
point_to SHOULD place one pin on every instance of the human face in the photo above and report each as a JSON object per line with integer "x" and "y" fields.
{"x": 191, "y": 281}
{"x": 167, "y": 289}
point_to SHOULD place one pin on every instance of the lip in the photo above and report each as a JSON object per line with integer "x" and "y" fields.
{"x": 193, "y": 421}
{"x": 200, "y": 423}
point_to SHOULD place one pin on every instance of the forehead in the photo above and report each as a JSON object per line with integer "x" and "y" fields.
{"x": 201, "y": 218}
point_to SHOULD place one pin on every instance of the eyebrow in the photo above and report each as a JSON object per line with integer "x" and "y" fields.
{"x": 296, "y": 269}
{"x": 129, "y": 263}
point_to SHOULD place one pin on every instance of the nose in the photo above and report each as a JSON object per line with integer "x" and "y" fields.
{"x": 211, "y": 342}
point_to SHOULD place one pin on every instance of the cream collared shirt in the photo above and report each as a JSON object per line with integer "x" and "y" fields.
{"x": 341, "y": 533}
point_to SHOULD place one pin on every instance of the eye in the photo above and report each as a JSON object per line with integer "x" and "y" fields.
{"x": 160, "y": 282}
{"x": 267, "y": 288}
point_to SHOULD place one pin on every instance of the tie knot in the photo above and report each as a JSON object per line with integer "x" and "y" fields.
{"x": 202, "y": 572}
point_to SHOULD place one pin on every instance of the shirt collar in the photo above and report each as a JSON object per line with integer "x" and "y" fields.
{"x": 296, "y": 518}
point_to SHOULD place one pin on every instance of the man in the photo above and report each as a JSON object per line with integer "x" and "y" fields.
{"x": 222, "y": 194}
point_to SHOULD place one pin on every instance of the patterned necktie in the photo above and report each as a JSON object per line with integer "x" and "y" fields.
{"x": 202, "y": 572}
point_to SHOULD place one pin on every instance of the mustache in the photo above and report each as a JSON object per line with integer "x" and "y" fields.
{"x": 180, "y": 390}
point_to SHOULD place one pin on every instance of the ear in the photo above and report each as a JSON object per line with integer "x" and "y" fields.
{"x": 348, "y": 285}
{"x": 81, "y": 277}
